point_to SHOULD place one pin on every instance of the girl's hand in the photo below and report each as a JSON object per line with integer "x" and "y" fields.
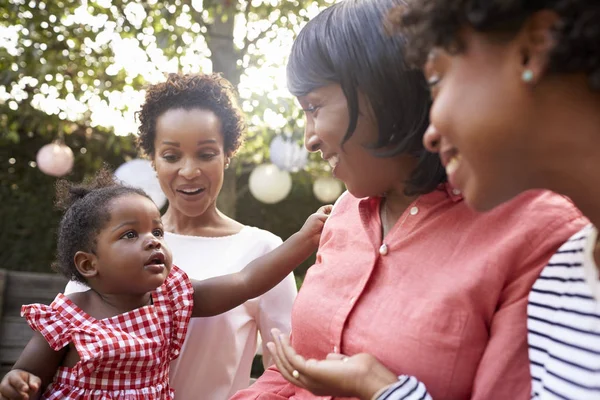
{"x": 339, "y": 376}
{"x": 19, "y": 385}
{"x": 313, "y": 226}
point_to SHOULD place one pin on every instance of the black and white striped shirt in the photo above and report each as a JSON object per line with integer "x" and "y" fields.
{"x": 563, "y": 324}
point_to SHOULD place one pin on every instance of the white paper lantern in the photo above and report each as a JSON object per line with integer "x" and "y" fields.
{"x": 139, "y": 173}
{"x": 288, "y": 155}
{"x": 55, "y": 159}
{"x": 269, "y": 184}
{"x": 327, "y": 189}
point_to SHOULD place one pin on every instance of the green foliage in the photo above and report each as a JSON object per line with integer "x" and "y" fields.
{"x": 60, "y": 67}
{"x": 29, "y": 220}
{"x": 27, "y": 215}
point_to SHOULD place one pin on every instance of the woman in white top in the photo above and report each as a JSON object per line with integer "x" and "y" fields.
{"x": 190, "y": 127}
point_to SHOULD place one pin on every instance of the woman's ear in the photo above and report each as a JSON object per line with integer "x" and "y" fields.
{"x": 86, "y": 264}
{"x": 538, "y": 42}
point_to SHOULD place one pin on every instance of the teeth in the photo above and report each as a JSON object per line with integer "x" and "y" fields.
{"x": 190, "y": 191}
{"x": 452, "y": 165}
{"x": 333, "y": 161}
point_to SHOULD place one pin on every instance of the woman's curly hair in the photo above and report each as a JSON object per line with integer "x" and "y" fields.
{"x": 436, "y": 23}
{"x": 205, "y": 91}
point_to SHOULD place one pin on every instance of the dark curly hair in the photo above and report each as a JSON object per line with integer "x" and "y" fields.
{"x": 436, "y": 23}
{"x": 205, "y": 91}
{"x": 86, "y": 209}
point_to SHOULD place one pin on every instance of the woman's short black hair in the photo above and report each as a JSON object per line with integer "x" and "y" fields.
{"x": 349, "y": 44}
{"x": 204, "y": 91}
{"x": 436, "y": 23}
{"x": 86, "y": 208}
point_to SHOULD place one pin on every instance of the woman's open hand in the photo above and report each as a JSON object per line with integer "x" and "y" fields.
{"x": 359, "y": 376}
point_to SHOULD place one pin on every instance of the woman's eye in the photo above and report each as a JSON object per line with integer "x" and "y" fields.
{"x": 158, "y": 232}
{"x": 208, "y": 156}
{"x": 170, "y": 157}
{"x": 310, "y": 108}
{"x": 433, "y": 81}
{"x": 129, "y": 235}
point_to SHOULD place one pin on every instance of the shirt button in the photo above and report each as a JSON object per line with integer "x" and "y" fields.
{"x": 456, "y": 192}
{"x": 383, "y": 250}
{"x": 414, "y": 210}
{"x": 352, "y": 299}
{"x": 335, "y": 349}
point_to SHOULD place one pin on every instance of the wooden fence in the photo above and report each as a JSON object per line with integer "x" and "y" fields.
{"x": 16, "y": 289}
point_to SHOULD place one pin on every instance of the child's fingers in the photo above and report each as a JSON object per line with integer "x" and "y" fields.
{"x": 325, "y": 209}
{"x": 10, "y": 393}
{"x": 34, "y": 383}
{"x": 14, "y": 386}
{"x": 18, "y": 381}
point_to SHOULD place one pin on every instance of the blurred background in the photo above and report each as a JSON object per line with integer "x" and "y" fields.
{"x": 72, "y": 76}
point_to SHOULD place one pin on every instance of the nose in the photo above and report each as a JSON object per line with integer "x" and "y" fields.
{"x": 432, "y": 139}
{"x": 152, "y": 243}
{"x": 190, "y": 170}
{"x": 311, "y": 140}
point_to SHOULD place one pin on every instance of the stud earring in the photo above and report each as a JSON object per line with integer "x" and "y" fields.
{"x": 527, "y": 76}
{"x": 226, "y": 165}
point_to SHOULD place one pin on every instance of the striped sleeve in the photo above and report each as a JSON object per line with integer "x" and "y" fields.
{"x": 407, "y": 388}
{"x": 564, "y": 324}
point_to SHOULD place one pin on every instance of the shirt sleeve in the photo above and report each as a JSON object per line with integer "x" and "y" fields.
{"x": 504, "y": 371}
{"x": 275, "y": 310}
{"x": 407, "y": 388}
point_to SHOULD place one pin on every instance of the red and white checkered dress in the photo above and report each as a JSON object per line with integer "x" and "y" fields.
{"x": 123, "y": 357}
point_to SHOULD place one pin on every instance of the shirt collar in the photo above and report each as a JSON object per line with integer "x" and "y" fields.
{"x": 369, "y": 205}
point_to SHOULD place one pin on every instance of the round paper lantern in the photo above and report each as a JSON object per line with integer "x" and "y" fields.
{"x": 327, "y": 189}
{"x": 139, "y": 173}
{"x": 287, "y": 155}
{"x": 269, "y": 184}
{"x": 55, "y": 159}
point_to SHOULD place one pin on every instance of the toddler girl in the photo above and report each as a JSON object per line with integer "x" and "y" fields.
{"x": 116, "y": 341}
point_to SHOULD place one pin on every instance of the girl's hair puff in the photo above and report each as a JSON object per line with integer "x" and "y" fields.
{"x": 86, "y": 209}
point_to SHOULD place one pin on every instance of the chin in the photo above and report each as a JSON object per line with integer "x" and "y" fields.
{"x": 361, "y": 192}
{"x": 194, "y": 211}
{"x": 482, "y": 199}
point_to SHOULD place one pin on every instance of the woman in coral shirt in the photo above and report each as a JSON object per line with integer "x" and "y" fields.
{"x": 405, "y": 270}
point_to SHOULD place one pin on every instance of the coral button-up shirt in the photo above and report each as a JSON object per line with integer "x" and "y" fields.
{"x": 445, "y": 301}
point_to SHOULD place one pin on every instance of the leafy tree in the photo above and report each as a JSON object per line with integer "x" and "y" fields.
{"x": 72, "y": 60}
{"x": 66, "y": 72}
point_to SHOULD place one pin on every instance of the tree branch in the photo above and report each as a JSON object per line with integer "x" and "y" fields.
{"x": 261, "y": 35}
{"x": 246, "y": 16}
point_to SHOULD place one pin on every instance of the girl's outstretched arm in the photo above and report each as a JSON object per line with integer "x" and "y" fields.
{"x": 33, "y": 371}
{"x": 217, "y": 295}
